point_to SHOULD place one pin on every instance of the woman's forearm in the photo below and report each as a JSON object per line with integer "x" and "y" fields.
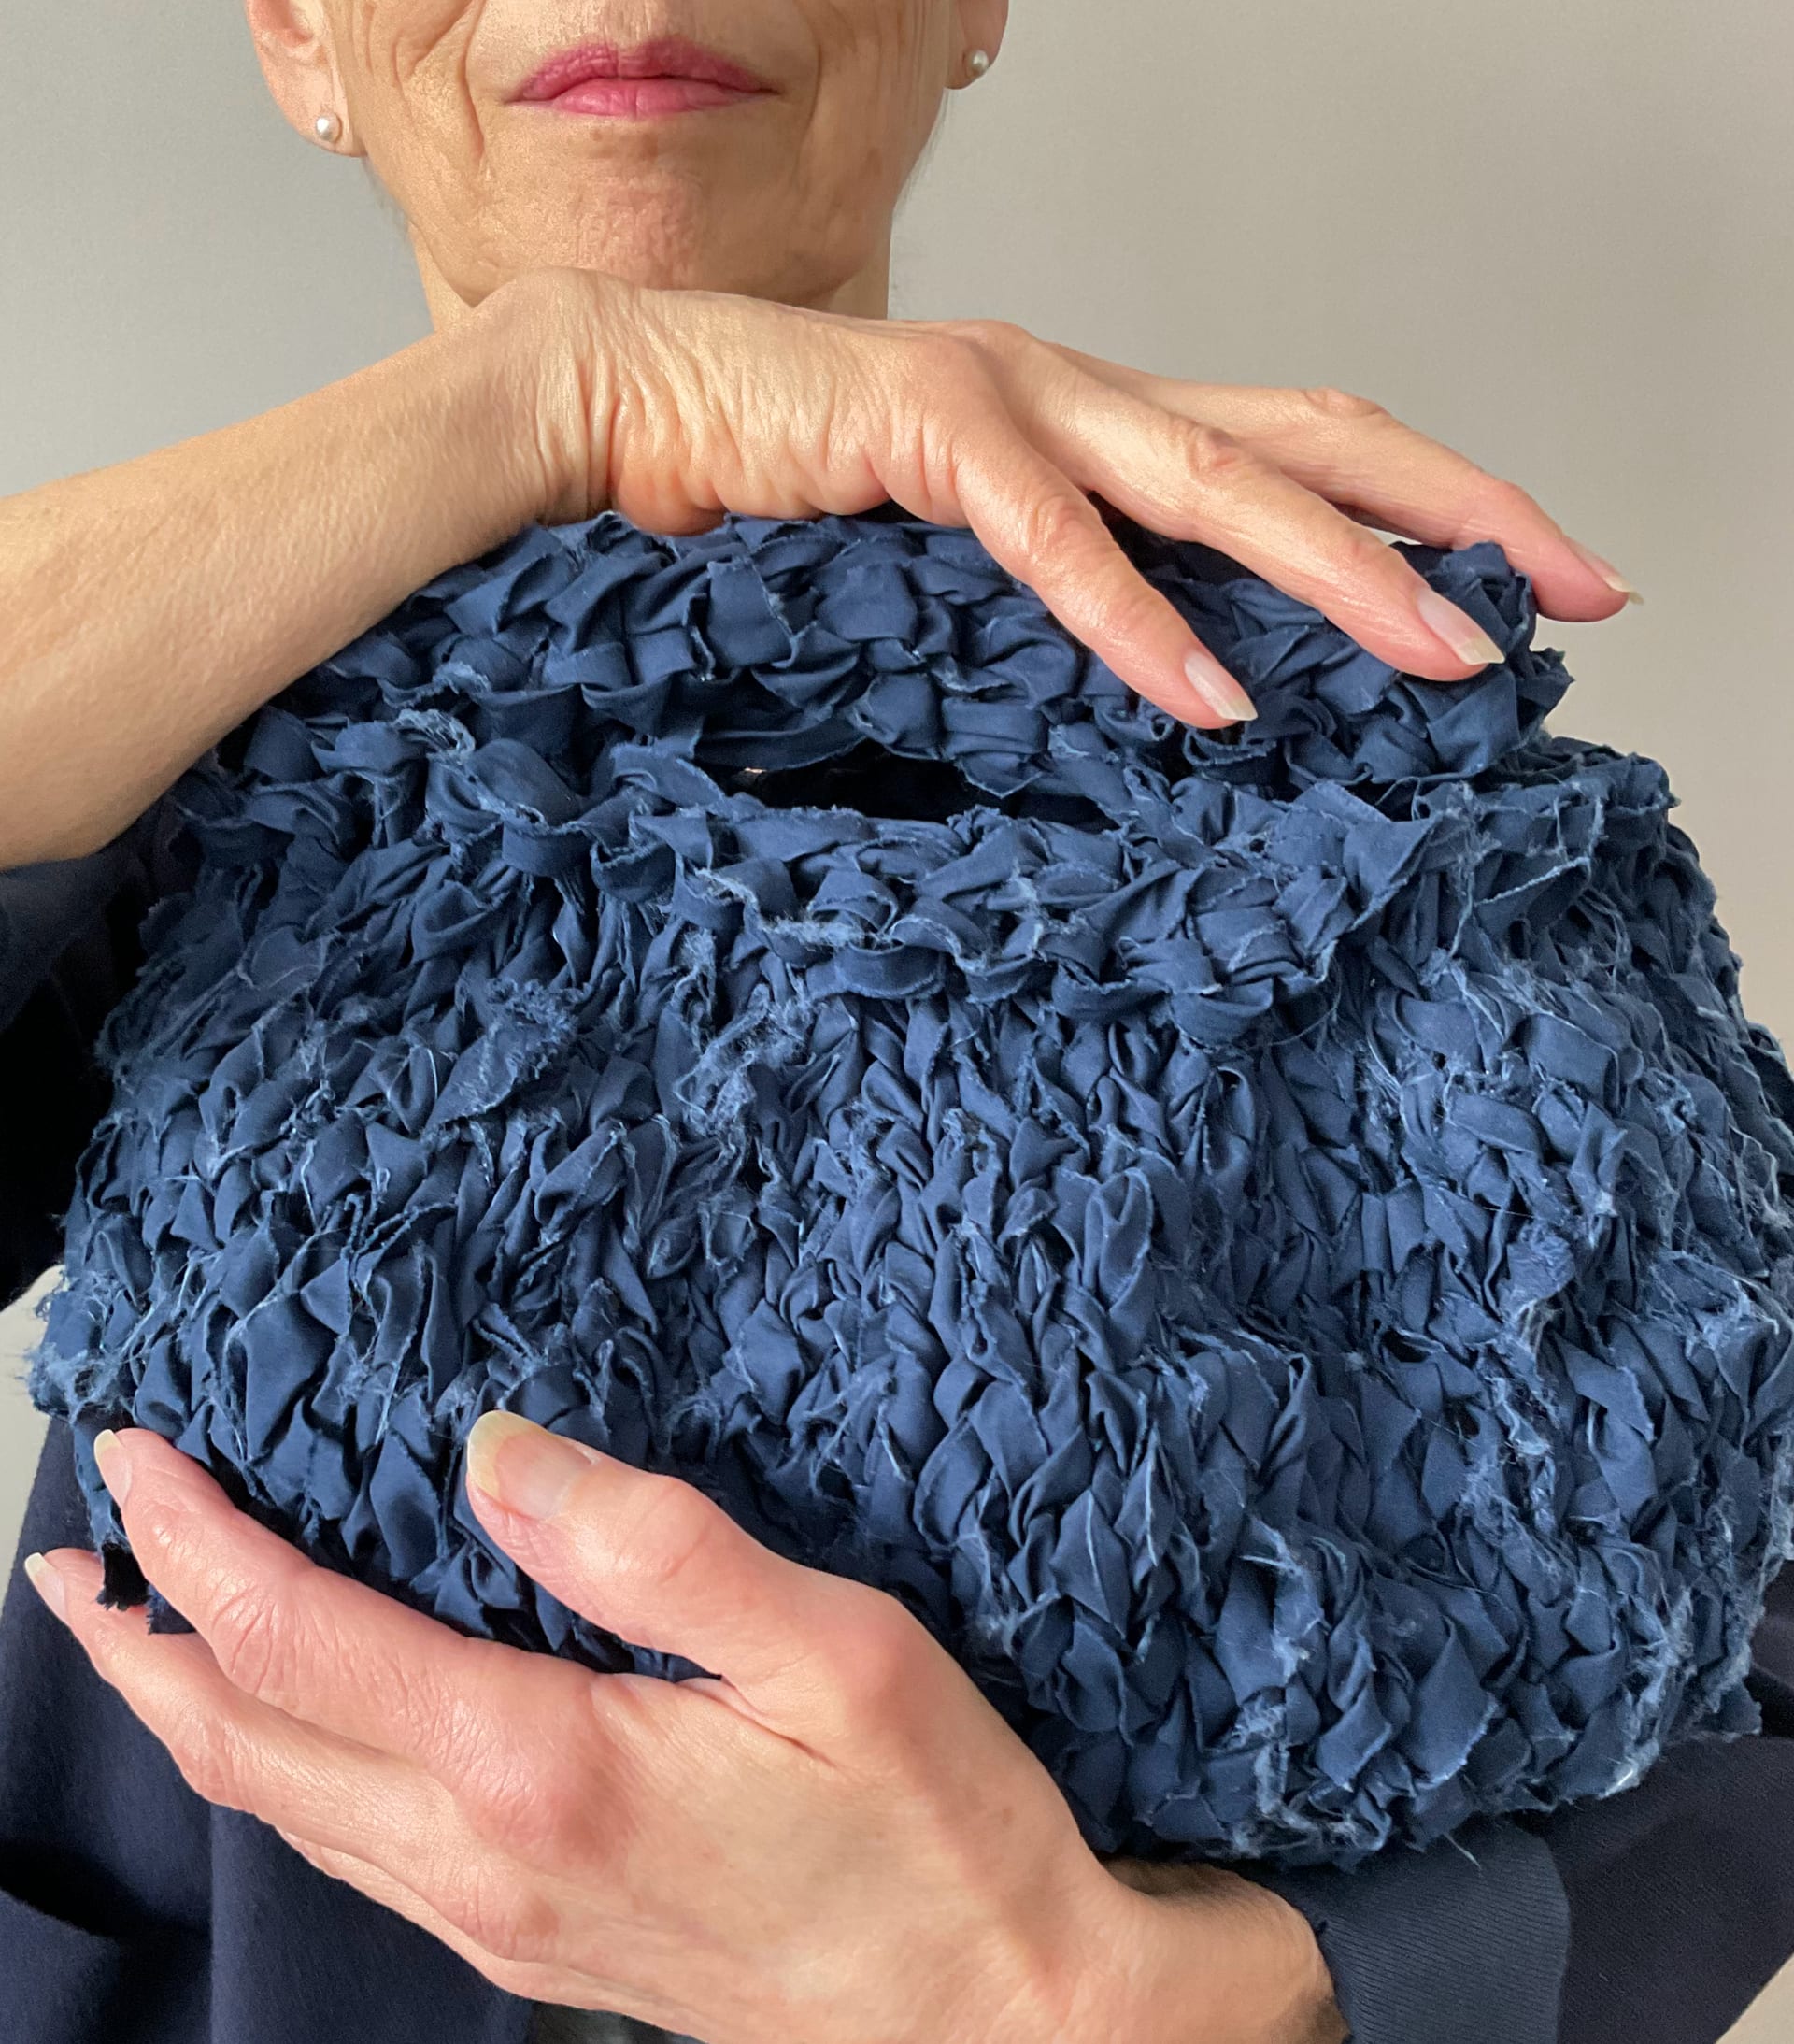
{"x": 151, "y": 606}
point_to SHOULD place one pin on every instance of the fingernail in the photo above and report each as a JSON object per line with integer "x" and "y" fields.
{"x": 49, "y": 1584}
{"x": 1217, "y": 688}
{"x": 115, "y": 1469}
{"x": 529, "y": 1470}
{"x": 1606, "y": 570}
{"x": 1462, "y": 635}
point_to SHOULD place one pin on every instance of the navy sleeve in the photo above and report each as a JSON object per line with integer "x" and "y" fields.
{"x": 1468, "y": 1940}
{"x": 1682, "y": 1890}
{"x": 69, "y": 947}
{"x": 1658, "y": 1915}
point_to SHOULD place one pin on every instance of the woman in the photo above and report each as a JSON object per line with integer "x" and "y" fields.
{"x": 654, "y": 239}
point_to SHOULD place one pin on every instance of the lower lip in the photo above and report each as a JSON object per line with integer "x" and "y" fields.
{"x": 642, "y": 99}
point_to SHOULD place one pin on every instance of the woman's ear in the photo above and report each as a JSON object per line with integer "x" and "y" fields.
{"x": 983, "y": 22}
{"x": 292, "y": 42}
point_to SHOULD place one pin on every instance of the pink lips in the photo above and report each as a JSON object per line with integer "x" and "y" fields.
{"x": 668, "y": 75}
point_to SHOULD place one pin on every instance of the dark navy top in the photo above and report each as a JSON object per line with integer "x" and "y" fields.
{"x": 133, "y": 1913}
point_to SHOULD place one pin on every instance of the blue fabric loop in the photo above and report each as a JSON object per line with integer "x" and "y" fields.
{"x": 1275, "y": 1244}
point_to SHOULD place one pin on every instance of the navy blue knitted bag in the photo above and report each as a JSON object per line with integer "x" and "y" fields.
{"x": 1277, "y": 1246}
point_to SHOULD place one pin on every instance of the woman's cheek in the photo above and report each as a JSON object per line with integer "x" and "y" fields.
{"x": 408, "y": 77}
{"x": 882, "y": 67}
{"x": 394, "y": 40}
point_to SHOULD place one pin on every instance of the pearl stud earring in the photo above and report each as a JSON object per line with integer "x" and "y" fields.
{"x": 977, "y": 62}
{"x": 328, "y": 129}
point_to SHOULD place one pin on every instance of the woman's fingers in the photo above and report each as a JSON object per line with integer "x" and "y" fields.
{"x": 1192, "y": 481}
{"x": 238, "y": 1751}
{"x": 307, "y": 1642}
{"x": 1351, "y": 451}
{"x": 1036, "y": 523}
{"x": 814, "y": 1657}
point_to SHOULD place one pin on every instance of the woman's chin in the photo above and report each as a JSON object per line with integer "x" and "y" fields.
{"x": 658, "y": 239}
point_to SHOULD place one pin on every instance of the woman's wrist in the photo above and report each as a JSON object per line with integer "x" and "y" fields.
{"x": 152, "y": 605}
{"x": 541, "y": 340}
{"x": 484, "y": 374}
{"x": 1199, "y": 1955}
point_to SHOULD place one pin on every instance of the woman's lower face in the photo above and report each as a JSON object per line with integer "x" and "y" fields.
{"x": 779, "y": 181}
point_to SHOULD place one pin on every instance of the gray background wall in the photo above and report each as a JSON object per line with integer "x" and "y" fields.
{"x": 1557, "y": 234}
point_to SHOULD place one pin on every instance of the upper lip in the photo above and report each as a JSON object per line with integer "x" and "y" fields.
{"x": 664, "y": 57}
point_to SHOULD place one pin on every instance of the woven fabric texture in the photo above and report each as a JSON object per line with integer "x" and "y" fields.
{"x": 1276, "y": 1245}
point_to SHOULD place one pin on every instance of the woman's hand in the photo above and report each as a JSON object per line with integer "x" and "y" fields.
{"x": 674, "y": 406}
{"x": 152, "y": 605}
{"x": 834, "y": 1838}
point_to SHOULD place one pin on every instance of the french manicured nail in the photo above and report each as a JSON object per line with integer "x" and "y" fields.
{"x": 47, "y": 1583}
{"x": 528, "y": 1469}
{"x": 115, "y": 1467}
{"x": 1462, "y": 635}
{"x": 1606, "y": 570}
{"x": 1217, "y": 688}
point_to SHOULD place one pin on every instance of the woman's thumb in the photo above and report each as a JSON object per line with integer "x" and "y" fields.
{"x": 655, "y": 1561}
